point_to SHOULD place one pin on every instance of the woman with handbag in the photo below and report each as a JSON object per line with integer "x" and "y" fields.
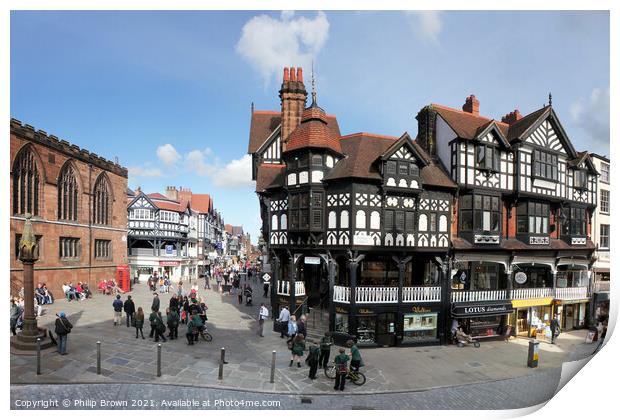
{"x": 138, "y": 321}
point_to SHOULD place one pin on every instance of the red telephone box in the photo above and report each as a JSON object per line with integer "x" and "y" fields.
{"x": 122, "y": 278}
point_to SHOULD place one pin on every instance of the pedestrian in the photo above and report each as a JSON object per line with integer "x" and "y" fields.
{"x": 139, "y": 322}
{"x": 174, "y": 303}
{"x": 341, "y": 361}
{"x": 118, "y": 310}
{"x": 172, "y": 318}
{"x": 130, "y": 309}
{"x": 157, "y": 326}
{"x": 265, "y": 289}
{"x": 190, "y": 333}
{"x": 162, "y": 286}
{"x": 326, "y": 343}
{"x": 356, "y": 357}
{"x": 14, "y": 316}
{"x": 283, "y": 319}
{"x": 292, "y": 329}
{"x": 155, "y": 304}
{"x": 240, "y": 295}
{"x": 263, "y": 314}
{"x": 301, "y": 326}
{"x": 297, "y": 350}
{"x": 180, "y": 289}
{"x": 555, "y": 328}
{"x": 198, "y": 324}
{"x": 63, "y": 328}
{"x": 207, "y": 285}
{"x": 601, "y": 338}
{"x": 313, "y": 359}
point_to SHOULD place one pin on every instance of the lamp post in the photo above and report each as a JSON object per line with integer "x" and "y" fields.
{"x": 28, "y": 255}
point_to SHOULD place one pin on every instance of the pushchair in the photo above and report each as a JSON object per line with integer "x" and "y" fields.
{"x": 461, "y": 339}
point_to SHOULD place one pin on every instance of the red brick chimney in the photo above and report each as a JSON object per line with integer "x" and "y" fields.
{"x": 512, "y": 117}
{"x": 293, "y": 97}
{"x": 472, "y": 105}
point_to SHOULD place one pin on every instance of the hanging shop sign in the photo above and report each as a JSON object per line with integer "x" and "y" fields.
{"x": 520, "y": 277}
{"x": 467, "y": 309}
{"x": 169, "y": 263}
{"x": 312, "y": 260}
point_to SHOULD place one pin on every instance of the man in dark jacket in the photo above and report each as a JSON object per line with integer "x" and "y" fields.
{"x": 174, "y": 303}
{"x": 130, "y": 309}
{"x": 157, "y": 326}
{"x": 555, "y": 328}
{"x": 118, "y": 310}
{"x": 63, "y": 328}
{"x": 155, "y": 305}
{"x": 301, "y": 326}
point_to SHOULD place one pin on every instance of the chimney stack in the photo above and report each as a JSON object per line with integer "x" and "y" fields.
{"x": 172, "y": 193}
{"x": 293, "y": 98}
{"x": 472, "y": 105}
{"x": 512, "y": 117}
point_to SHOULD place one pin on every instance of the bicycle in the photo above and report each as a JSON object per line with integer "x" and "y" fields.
{"x": 358, "y": 378}
{"x": 205, "y": 335}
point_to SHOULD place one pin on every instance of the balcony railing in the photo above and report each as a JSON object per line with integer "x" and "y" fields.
{"x": 366, "y": 295}
{"x": 601, "y": 286}
{"x": 284, "y": 288}
{"x": 478, "y": 295}
{"x": 571, "y": 293}
{"x": 422, "y": 294}
{"x": 535, "y": 293}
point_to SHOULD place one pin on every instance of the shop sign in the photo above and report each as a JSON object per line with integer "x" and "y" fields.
{"x": 340, "y": 310}
{"x": 362, "y": 239}
{"x": 169, "y": 263}
{"x": 312, "y": 260}
{"x": 420, "y": 310}
{"x": 169, "y": 250}
{"x": 520, "y": 277}
{"x": 365, "y": 311}
{"x": 482, "y": 309}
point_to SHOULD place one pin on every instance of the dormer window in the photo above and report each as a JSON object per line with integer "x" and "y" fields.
{"x": 487, "y": 157}
{"x": 545, "y": 165}
{"x": 580, "y": 179}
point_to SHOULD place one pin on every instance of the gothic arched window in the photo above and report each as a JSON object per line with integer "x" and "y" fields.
{"x": 67, "y": 194}
{"x": 101, "y": 202}
{"x": 26, "y": 184}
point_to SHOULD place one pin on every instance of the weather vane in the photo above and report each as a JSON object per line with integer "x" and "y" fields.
{"x": 313, "y": 85}
{"x": 549, "y": 98}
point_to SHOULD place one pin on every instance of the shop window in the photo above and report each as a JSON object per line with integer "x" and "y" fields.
{"x": 366, "y": 327}
{"x": 485, "y": 326}
{"x": 342, "y": 323}
{"x": 545, "y": 165}
{"x": 537, "y": 277}
{"x": 379, "y": 271}
{"x": 419, "y": 327}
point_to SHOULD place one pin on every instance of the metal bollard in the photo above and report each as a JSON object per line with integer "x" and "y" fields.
{"x": 220, "y": 374}
{"x": 273, "y": 367}
{"x": 158, "y": 360}
{"x": 532, "y": 354}
{"x": 38, "y": 356}
{"x": 98, "y": 357}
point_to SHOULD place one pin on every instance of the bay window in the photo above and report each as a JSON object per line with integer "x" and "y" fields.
{"x": 480, "y": 213}
{"x": 533, "y": 217}
{"x": 580, "y": 179}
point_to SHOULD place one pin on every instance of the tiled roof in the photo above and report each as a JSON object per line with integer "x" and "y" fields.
{"x": 267, "y": 174}
{"x": 520, "y": 126}
{"x": 156, "y": 196}
{"x": 202, "y": 203}
{"x": 168, "y": 205}
{"x": 314, "y": 131}
{"x": 466, "y": 125}
{"x": 263, "y": 123}
{"x": 433, "y": 173}
{"x": 228, "y": 228}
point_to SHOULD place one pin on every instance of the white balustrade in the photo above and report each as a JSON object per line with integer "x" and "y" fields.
{"x": 342, "y": 294}
{"x": 422, "y": 294}
{"x": 571, "y": 293}
{"x": 478, "y": 295}
{"x": 376, "y": 295}
{"x": 284, "y": 286}
{"x": 532, "y": 293}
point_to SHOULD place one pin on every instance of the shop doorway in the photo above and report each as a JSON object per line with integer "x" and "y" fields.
{"x": 312, "y": 271}
{"x": 386, "y": 329}
{"x": 569, "y": 317}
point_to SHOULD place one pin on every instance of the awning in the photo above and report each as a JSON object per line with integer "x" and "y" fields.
{"x": 480, "y": 309}
{"x": 570, "y": 301}
{"x": 532, "y": 302}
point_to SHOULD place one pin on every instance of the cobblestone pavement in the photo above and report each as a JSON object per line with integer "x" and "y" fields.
{"x": 126, "y": 359}
{"x": 506, "y": 394}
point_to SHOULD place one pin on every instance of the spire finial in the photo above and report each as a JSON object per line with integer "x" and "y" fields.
{"x": 313, "y": 87}
{"x": 550, "y": 101}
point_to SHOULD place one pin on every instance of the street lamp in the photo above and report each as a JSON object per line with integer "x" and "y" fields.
{"x": 28, "y": 255}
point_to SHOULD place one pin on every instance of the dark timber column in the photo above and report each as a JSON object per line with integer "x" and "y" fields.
{"x": 291, "y": 286}
{"x": 275, "y": 276}
{"x": 401, "y": 262}
{"x": 331, "y": 275}
{"x": 446, "y": 288}
{"x": 354, "y": 261}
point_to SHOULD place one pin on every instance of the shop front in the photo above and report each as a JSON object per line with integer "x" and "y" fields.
{"x": 421, "y": 324}
{"x": 531, "y": 317}
{"x": 572, "y": 314}
{"x": 482, "y": 319}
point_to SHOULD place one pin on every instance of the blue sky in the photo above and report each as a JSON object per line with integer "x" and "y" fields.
{"x": 169, "y": 93}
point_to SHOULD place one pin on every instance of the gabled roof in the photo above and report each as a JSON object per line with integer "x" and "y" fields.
{"x": 202, "y": 203}
{"x": 465, "y": 124}
{"x": 262, "y": 124}
{"x": 405, "y": 138}
{"x": 492, "y": 125}
{"x": 267, "y": 175}
{"x": 581, "y": 158}
{"x": 520, "y": 126}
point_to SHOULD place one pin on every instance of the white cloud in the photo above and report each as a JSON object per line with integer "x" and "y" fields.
{"x": 168, "y": 154}
{"x": 195, "y": 162}
{"x": 144, "y": 171}
{"x": 592, "y": 116}
{"x": 426, "y": 24}
{"x": 270, "y": 44}
{"x": 236, "y": 173}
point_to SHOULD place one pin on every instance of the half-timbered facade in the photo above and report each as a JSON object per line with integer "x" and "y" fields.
{"x": 357, "y": 225}
{"x": 521, "y": 238}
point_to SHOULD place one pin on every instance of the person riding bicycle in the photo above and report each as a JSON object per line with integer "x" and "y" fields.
{"x": 356, "y": 357}
{"x": 341, "y": 361}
